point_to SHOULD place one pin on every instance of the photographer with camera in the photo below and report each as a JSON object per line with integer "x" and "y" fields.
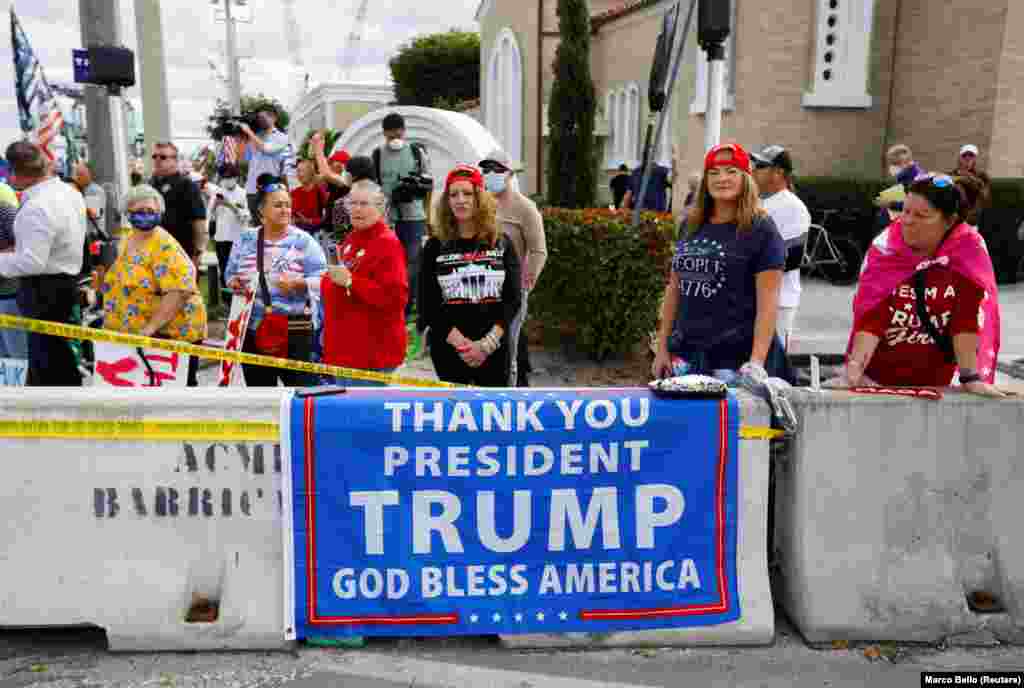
{"x": 269, "y": 146}
{"x": 403, "y": 172}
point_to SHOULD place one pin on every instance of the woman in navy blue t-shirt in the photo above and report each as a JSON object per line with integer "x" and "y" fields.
{"x": 722, "y": 297}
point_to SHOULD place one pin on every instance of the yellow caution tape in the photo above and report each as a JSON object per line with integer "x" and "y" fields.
{"x": 752, "y": 432}
{"x": 149, "y": 430}
{"x": 202, "y": 430}
{"x": 197, "y": 430}
{"x": 91, "y": 334}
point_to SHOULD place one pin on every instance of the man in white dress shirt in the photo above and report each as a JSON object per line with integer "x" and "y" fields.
{"x": 49, "y": 238}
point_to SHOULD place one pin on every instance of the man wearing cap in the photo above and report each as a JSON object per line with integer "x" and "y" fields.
{"x": 967, "y": 166}
{"x": 522, "y": 223}
{"x": 773, "y": 171}
{"x": 269, "y": 146}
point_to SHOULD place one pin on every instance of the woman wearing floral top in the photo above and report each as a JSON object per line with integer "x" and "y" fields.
{"x": 151, "y": 288}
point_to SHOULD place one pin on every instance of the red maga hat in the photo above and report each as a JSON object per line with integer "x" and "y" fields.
{"x": 341, "y": 156}
{"x": 727, "y": 155}
{"x": 465, "y": 173}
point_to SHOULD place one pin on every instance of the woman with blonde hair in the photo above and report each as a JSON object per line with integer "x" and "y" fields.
{"x": 721, "y": 301}
{"x": 469, "y": 287}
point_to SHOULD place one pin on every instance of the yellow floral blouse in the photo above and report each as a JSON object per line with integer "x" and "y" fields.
{"x": 134, "y": 284}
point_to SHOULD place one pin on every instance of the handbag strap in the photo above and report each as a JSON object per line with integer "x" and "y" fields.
{"x": 264, "y": 289}
{"x": 153, "y": 382}
{"x": 942, "y": 340}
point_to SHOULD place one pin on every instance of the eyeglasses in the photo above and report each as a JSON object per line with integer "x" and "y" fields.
{"x": 939, "y": 181}
{"x": 350, "y": 204}
{"x": 157, "y": 156}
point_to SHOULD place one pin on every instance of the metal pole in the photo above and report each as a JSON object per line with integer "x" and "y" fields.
{"x": 100, "y": 24}
{"x": 150, "y": 50}
{"x": 666, "y": 111}
{"x": 234, "y": 78}
{"x": 716, "y": 95}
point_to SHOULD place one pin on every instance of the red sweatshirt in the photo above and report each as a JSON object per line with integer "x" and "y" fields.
{"x": 364, "y": 325}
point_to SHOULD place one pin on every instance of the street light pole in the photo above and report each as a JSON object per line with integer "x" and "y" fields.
{"x": 156, "y": 112}
{"x": 234, "y": 78}
{"x": 713, "y": 22}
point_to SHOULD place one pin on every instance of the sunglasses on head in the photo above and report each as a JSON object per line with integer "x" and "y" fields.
{"x": 939, "y": 181}
{"x": 463, "y": 173}
{"x": 272, "y": 187}
{"x": 492, "y": 167}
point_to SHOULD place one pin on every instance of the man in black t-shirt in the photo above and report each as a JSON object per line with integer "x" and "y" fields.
{"x": 620, "y": 185}
{"x": 185, "y": 217}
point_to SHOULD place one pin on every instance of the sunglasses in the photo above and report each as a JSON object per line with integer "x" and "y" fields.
{"x": 939, "y": 181}
{"x": 157, "y": 156}
{"x": 464, "y": 173}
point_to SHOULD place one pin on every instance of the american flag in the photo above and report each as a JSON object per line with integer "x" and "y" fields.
{"x": 228, "y": 151}
{"x": 41, "y": 118}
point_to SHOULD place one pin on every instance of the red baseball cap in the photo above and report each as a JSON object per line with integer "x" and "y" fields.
{"x": 341, "y": 156}
{"x": 727, "y": 155}
{"x": 465, "y": 173}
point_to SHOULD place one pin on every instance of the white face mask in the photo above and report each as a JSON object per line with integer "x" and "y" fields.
{"x": 495, "y": 182}
{"x": 396, "y": 144}
{"x": 230, "y": 184}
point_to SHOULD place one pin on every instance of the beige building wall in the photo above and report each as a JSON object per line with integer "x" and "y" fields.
{"x": 521, "y": 18}
{"x": 1005, "y": 155}
{"x": 774, "y": 55}
{"x": 947, "y": 68}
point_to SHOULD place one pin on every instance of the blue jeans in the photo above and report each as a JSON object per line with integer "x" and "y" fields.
{"x": 351, "y": 382}
{"x": 410, "y": 233}
{"x": 13, "y": 343}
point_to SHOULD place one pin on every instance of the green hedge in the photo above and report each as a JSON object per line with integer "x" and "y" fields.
{"x": 604, "y": 279}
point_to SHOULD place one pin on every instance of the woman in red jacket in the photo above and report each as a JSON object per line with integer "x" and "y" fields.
{"x": 364, "y": 296}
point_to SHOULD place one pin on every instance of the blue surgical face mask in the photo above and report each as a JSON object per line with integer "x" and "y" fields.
{"x": 144, "y": 221}
{"x": 496, "y": 182}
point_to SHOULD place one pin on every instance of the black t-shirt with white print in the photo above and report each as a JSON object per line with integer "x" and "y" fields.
{"x": 469, "y": 285}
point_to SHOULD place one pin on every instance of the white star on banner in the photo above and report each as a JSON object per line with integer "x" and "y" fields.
{"x": 473, "y": 618}
{"x": 908, "y": 307}
{"x": 540, "y": 616}
{"x": 519, "y": 618}
{"x": 496, "y": 618}
{"x": 563, "y": 616}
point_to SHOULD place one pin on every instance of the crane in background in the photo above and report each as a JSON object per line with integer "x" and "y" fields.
{"x": 349, "y": 57}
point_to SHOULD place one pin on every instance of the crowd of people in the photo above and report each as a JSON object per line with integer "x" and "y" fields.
{"x": 344, "y": 265}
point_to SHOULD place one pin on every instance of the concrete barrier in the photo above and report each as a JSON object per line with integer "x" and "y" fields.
{"x": 128, "y": 534}
{"x": 124, "y": 534}
{"x": 900, "y": 519}
{"x": 756, "y": 626}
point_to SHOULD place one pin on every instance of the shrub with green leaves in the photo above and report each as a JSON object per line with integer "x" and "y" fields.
{"x": 604, "y": 278}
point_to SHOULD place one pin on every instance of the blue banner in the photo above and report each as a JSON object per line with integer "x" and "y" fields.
{"x": 422, "y": 512}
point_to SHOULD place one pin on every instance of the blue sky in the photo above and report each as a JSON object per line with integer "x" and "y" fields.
{"x": 192, "y": 39}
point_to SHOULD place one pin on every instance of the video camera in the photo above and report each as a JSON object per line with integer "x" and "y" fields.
{"x": 228, "y": 125}
{"x": 412, "y": 187}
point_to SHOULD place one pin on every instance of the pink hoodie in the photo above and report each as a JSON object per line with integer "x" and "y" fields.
{"x": 890, "y": 263}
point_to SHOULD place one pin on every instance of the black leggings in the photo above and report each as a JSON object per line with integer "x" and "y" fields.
{"x": 300, "y": 344}
{"x": 451, "y": 368}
